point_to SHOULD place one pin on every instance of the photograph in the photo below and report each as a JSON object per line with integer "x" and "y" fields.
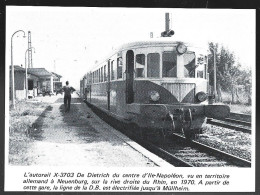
{"x": 129, "y": 99}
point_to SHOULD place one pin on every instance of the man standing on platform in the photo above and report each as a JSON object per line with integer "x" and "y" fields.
{"x": 67, "y": 96}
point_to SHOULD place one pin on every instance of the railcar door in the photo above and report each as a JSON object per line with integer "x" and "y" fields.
{"x": 108, "y": 84}
{"x": 129, "y": 77}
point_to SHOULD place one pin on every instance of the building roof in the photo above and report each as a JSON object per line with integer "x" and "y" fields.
{"x": 17, "y": 68}
{"x": 39, "y": 71}
{"x": 57, "y": 75}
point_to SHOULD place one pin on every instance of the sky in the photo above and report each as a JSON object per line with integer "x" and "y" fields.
{"x": 68, "y": 40}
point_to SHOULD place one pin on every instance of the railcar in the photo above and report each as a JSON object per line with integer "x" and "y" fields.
{"x": 157, "y": 86}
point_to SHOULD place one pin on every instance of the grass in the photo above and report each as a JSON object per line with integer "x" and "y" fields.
{"x": 21, "y": 121}
{"x": 240, "y": 107}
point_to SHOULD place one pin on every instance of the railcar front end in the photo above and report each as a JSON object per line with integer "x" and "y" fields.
{"x": 156, "y": 86}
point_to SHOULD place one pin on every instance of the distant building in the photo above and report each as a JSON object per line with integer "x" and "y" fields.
{"x": 39, "y": 81}
{"x": 45, "y": 82}
{"x": 19, "y": 81}
{"x": 57, "y": 84}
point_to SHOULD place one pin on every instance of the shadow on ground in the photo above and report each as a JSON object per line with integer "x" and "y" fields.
{"x": 78, "y": 121}
{"x": 35, "y": 131}
{"x": 73, "y": 100}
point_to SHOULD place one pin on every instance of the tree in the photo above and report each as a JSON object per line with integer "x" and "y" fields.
{"x": 245, "y": 80}
{"x": 228, "y": 74}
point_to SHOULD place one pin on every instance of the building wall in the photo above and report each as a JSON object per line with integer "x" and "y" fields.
{"x": 19, "y": 80}
{"x": 20, "y": 94}
{"x": 19, "y": 85}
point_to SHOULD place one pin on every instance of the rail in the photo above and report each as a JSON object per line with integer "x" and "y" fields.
{"x": 236, "y": 121}
{"x": 213, "y": 151}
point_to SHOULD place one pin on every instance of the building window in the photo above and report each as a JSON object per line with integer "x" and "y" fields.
{"x": 30, "y": 84}
{"x": 153, "y": 65}
{"x": 139, "y": 65}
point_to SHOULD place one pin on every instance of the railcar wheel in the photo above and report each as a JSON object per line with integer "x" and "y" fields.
{"x": 163, "y": 135}
{"x": 188, "y": 133}
{"x": 187, "y": 120}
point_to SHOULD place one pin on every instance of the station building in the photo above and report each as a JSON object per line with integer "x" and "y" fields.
{"x": 39, "y": 81}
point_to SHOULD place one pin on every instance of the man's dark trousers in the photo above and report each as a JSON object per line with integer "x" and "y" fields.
{"x": 67, "y": 99}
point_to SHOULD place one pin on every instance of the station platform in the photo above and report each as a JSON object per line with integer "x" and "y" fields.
{"x": 80, "y": 137}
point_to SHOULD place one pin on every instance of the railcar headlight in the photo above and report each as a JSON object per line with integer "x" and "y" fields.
{"x": 181, "y": 48}
{"x": 201, "y": 96}
{"x": 154, "y": 96}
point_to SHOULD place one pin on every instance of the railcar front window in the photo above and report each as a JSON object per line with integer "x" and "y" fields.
{"x": 153, "y": 65}
{"x": 169, "y": 64}
{"x": 119, "y": 67}
{"x": 189, "y": 64}
{"x": 200, "y": 74}
{"x": 140, "y": 64}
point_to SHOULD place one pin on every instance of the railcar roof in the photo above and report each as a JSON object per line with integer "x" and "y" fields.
{"x": 162, "y": 41}
{"x": 141, "y": 43}
{"x": 150, "y": 42}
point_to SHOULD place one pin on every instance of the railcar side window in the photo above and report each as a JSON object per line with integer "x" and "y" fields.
{"x": 119, "y": 67}
{"x": 98, "y": 75}
{"x": 189, "y": 64}
{"x": 139, "y": 65}
{"x": 153, "y": 65}
{"x": 169, "y": 64}
{"x": 112, "y": 70}
{"x": 101, "y": 74}
{"x": 105, "y": 73}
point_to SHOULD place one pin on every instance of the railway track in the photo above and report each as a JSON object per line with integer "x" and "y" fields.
{"x": 178, "y": 151}
{"x": 183, "y": 153}
{"x": 236, "y": 121}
